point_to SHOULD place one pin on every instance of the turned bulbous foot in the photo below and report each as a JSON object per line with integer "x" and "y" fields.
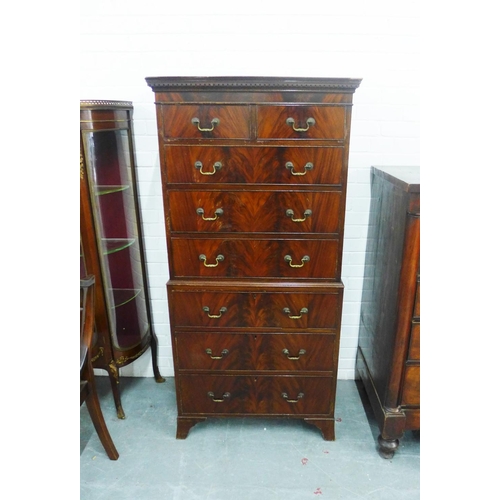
{"x": 387, "y": 447}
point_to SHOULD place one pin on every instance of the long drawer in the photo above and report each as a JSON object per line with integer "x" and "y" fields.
{"x": 255, "y": 211}
{"x": 247, "y": 352}
{"x": 255, "y": 395}
{"x": 229, "y": 310}
{"x": 255, "y": 258}
{"x": 250, "y": 164}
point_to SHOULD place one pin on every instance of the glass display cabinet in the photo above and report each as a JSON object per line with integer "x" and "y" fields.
{"x": 111, "y": 240}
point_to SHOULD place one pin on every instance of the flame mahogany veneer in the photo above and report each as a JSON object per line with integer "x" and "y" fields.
{"x": 254, "y": 174}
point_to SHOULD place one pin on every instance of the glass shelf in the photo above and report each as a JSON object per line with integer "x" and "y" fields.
{"x": 101, "y": 190}
{"x": 122, "y": 296}
{"x": 113, "y": 245}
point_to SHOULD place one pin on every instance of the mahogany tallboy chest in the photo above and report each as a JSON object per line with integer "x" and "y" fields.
{"x": 388, "y": 359}
{"x": 254, "y": 174}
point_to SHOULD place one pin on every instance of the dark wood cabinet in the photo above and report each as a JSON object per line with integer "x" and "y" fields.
{"x": 254, "y": 174}
{"x": 388, "y": 358}
{"x": 111, "y": 239}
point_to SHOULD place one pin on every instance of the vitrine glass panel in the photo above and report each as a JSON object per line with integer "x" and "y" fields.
{"x": 113, "y": 203}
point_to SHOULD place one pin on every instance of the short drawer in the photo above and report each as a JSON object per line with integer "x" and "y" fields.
{"x": 206, "y": 122}
{"x": 255, "y": 211}
{"x": 414, "y": 348}
{"x": 416, "y": 310}
{"x": 287, "y": 352}
{"x": 301, "y": 122}
{"x": 255, "y": 258}
{"x": 255, "y": 395}
{"x": 250, "y": 165}
{"x": 270, "y": 310}
{"x": 411, "y": 386}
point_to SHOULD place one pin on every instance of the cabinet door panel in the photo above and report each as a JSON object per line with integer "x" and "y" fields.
{"x": 109, "y": 212}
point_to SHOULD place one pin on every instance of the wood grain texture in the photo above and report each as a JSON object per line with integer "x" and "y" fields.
{"x": 250, "y": 164}
{"x": 255, "y": 395}
{"x": 388, "y": 358}
{"x": 255, "y": 211}
{"x": 329, "y": 122}
{"x": 254, "y": 217}
{"x": 234, "y": 122}
{"x": 254, "y": 258}
{"x": 255, "y": 310}
{"x": 250, "y": 352}
{"x": 411, "y": 386}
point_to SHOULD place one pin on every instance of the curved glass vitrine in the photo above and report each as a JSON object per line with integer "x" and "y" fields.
{"x": 111, "y": 237}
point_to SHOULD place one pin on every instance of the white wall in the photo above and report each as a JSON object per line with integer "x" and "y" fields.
{"x": 123, "y": 41}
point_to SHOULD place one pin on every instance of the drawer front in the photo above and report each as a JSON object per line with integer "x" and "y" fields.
{"x": 270, "y": 165}
{"x": 280, "y": 395}
{"x": 301, "y": 122}
{"x": 252, "y": 258}
{"x": 416, "y": 310}
{"x": 206, "y": 121}
{"x": 253, "y": 211}
{"x": 220, "y": 310}
{"x": 247, "y": 352}
{"x": 414, "y": 349}
{"x": 411, "y": 386}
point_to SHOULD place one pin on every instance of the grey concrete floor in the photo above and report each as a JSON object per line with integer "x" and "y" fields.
{"x": 240, "y": 459}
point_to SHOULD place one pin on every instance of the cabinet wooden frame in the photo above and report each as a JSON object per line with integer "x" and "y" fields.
{"x": 388, "y": 357}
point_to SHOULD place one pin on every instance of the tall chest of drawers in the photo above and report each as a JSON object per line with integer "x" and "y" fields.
{"x": 254, "y": 174}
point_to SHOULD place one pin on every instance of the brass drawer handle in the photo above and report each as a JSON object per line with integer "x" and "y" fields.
{"x": 304, "y": 259}
{"x": 287, "y": 311}
{"x": 309, "y": 122}
{"x": 222, "y": 310}
{"x": 217, "y": 213}
{"x": 225, "y": 396}
{"x": 216, "y": 166}
{"x": 307, "y": 166}
{"x": 223, "y": 353}
{"x": 218, "y": 259}
{"x": 300, "y": 395}
{"x": 286, "y": 352}
{"x": 307, "y": 213}
{"x": 214, "y": 122}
